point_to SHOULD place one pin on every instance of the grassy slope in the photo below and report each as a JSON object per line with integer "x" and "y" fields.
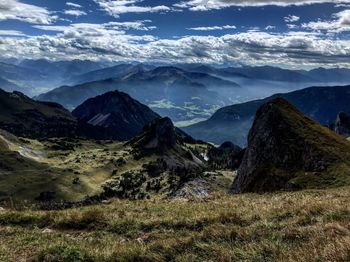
{"x": 24, "y": 179}
{"x": 298, "y": 226}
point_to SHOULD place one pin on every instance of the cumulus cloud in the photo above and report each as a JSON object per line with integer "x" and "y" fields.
{"x": 340, "y": 23}
{"x": 73, "y": 5}
{"x": 111, "y": 42}
{"x": 117, "y": 7}
{"x": 16, "y": 10}
{"x": 212, "y": 28}
{"x": 205, "y": 5}
{"x": 11, "y": 33}
{"x": 93, "y": 29}
{"x": 291, "y": 19}
{"x": 75, "y": 12}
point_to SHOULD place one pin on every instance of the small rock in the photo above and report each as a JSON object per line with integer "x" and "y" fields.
{"x": 47, "y": 231}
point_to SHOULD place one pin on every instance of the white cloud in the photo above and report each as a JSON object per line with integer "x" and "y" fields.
{"x": 16, "y": 10}
{"x": 204, "y": 5}
{"x": 96, "y": 29}
{"x": 110, "y": 42}
{"x": 11, "y": 33}
{"x": 341, "y": 23}
{"x": 73, "y": 5}
{"x": 270, "y": 27}
{"x": 212, "y": 28}
{"x": 117, "y": 7}
{"x": 291, "y": 19}
{"x": 75, "y": 12}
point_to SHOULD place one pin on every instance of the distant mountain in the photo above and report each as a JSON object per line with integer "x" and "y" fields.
{"x": 107, "y": 73}
{"x": 330, "y": 75}
{"x": 35, "y": 76}
{"x": 17, "y": 73}
{"x": 288, "y": 151}
{"x": 61, "y": 69}
{"x": 121, "y": 116}
{"x": 169, "y": 91}
{"x": 8, "y": 86}
{"x": 232, "y": 123}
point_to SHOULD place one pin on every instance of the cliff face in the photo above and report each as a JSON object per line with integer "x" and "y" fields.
{"x": 342, "y": 124}
{"x": 287, "y": 150}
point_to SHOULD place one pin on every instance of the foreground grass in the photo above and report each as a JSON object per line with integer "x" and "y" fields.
{"x": 298, "y": 226}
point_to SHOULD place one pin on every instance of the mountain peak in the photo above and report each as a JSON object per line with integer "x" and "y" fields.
{"x": 286, "y": 150}
{"x": 122, "y": 116}
{"x": 159, "y": 135}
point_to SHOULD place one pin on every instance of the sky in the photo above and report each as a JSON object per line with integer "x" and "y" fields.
{"x": 285, "y": 33}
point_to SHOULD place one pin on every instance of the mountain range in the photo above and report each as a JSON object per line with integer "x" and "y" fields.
{"x": 232, "y": 123}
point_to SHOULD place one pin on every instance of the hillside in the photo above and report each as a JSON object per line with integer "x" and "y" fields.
{"x": 287, "y": 151}
{"x": 23, "y": 116}
{"x": 232, "y": 123}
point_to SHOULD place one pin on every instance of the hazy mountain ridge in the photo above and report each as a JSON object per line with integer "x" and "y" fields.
{"x": 232, "y": 123}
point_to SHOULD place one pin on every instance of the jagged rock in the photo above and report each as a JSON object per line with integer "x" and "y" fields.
{"x": 342, "y": 124}
{"x": 226, "y": 156}
{"x": 285, "y": 150}
{"x": 159, "y": 135}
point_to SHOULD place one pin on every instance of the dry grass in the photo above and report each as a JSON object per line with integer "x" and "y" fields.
{"x": 298, "y": 226}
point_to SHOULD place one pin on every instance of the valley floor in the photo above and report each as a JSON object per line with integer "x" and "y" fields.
{"x": 296, "y": 226}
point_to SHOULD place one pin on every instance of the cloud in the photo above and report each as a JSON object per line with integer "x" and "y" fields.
{"x": 205, "y": 5}
{"x": 111, "y": 42}
{"x": 291, "y": 19}
{"x": 11, "y": 33}
{"x": 73, "y": 5}
{"x": 117, "y": 7}
{"x": 16, "y": 10}
{"x": 75, "y": 12}
{"x": 340, "y": 23}
{"x": 93, "y": 29}
{"x": 270, "y": 27}
{"x": 212, "y": 28}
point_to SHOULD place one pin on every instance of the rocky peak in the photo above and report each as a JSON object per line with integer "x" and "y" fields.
{"x": 120, "y": 115}
{"x": 283, "y": 146}
{"x": 160, "y": 135}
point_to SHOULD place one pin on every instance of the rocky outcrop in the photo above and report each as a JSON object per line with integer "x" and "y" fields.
{"x": 287, "y": 150}
{"x": 118, "y": 115}
{"x": 226, "y": 156}
{"x": 342, "y": 124}
{"x": 159, "y": 135}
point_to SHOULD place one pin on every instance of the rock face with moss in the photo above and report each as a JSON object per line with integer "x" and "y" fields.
{"x": 287, "y": 150}
{"x": 342, "y": 124}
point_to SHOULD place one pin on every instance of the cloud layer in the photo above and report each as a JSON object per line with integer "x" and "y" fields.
{"x": 117, "y": 7}
{"x": 205, "y": 5}
{"x": 15, "y": 10}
